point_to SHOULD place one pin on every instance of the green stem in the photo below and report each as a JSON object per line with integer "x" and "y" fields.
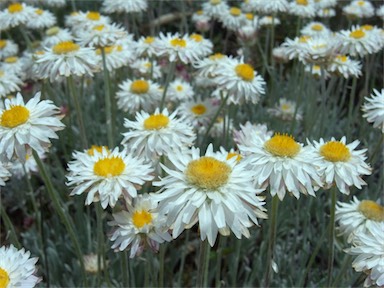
{"x": 171, "y": 71}
{"x": 272, "y": 239}
{"x": 9, "y": 227}
{"x": 346, "y": 265}
{"x": 350, "y": 107}
{"x": 60, "y": 210}
{"x": 100, "y": 242}
{"x": 222, "y": 244}
{"x": 331, "y": 234}
{"x": 124, "y": 268}
{"x": 108, "y": 101}
{"x": 236, "y": 262}
{"x": 202, "y": 272}
{"x": 161, "y": 262}
{"x": 182, "y": 260}
{"x": 80, "y": 120}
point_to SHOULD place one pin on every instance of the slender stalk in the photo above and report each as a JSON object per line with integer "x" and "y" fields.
{"x": 161, "y": 262}
{"x": 100, "y": 243}
{"x": 272, "y": 239}
{"x": 236, "y": 262}
{"x": 350, "y": 107}
{"x": 60, "y": 210}
{"x": 171, "y": 71}
{"x": 108, "y": 102}
{"x": 331, "y": 235}
{"x": 202, "y": 272}
{"x": 222, "y": 244}
{"x": 182, "y": 259}
{"x": 124, "y": 268}
{"x": 346, "y": 265}
{"x": 80, "y": 119}
{"x": 9, "y": 226}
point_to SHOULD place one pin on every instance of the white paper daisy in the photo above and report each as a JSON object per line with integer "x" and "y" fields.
{"x": 283, "y": 165}
{"x": 209, "y": 190}
{"x": 340, "y": 164}
{"x": 140, "y": 94}
{"x": 123, "y": 6}
{"x": 179, "y": 90}
{"x": 27, "y": 126}
{"x": 146, "y": 68}
{"x": 204, "y": 45}
{"x": 302, "y": 8}
{"x": 15, "y": 14}
{"x": 315, "y": 29}
{"x": 141, "y": 225}
{"x": 354, "y": 217}
{"x": 286, "y": 110}
{"x": 8, "y": 48}
{"x": 326, "y": 13}
{"x": 345, "y": 66}
{"x": 107, "y": 175}
{"x": 373, "y": 109}
{"x": 359, "y": 9}
{"x": 233, "y": 18}
{"x": 55, "y": 35}
{"x": 42, "y": 19}
{"x": 4, "y": 174}
{"x": 201, "y": 21}
{"x": 78, "y": 21}
{"x": 101, "y": 35}
{"x": 252, "y": 134}
{"x": 153, "y": 135}
{"x": 145, "y": 46}
{"x": 17, "y": 269}
{"x": 199, "y": 112}
{"x": 215, "y": 8}
{"x": 115, "y": 57}
{"x": 9, "y": 83}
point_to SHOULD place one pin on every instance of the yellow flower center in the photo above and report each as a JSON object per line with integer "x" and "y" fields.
{"x": 196, "y": 37}
{"x": 39, "y": 11}
{"x": 234, "y": 154}
{"x": 357, "y": 34}
{"x": 245, "y": 72}
{"x": 302, "y": 2}
{"x": 372, "y": 210}
{"x": 199, "y": 12}
{"x": 316, "y": 68}
{"x": 107, "y": 50}
{"x": 208, "y": 173}
{"x": 179, "y": 88}
{"x": 148, "y": 65}
{"x": 94, "y": 16}
{"x": 65, "y": 47}
{"x": 139, "y": 86}
{"x": 199, "y": 109}
{"x": 98, "y": 27}
{"x": 109, "y": 167}
{"x": 156, "y": 122}
{"x": 149, "y": 40}
{"x": 282, "y": 146}
{"x": 52, "y": 31}
{"x": 249, "y": 16}
{"x": 285, "y": 107}
{"x": 216, "y": 56}
{"x": 15, "y": 8}
{"x": 342, "y": 58}
{"x": 215, "y": 2}
{"x": 304, "y": 39}
{"x": 15, "y": 116}
{"x": 3, "y": 43}
{"x": 234, "y": 11}
{"x": 141, "y": 218}
{"x": 95, "y": 148}
{"x": 12, "y": 59}
{"x": 4, "y": 278}
{"x": 367, "y": 27}
{"x": 335, "y": 151}
{"x": 1, "y": 73}
{"x": 317, "y": 27}
{"x": 361, "y": 3}
{"x": 178, "y": 42}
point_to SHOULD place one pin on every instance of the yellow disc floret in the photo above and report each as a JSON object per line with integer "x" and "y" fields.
{"x": 357, "y": 34}
{"x": 282, "y": 146}
{"x": 372, "y": 210}
{"x": 39, "y": 11}
{"x": 199, "y": 109}
{"x": 98, "y": 27}
{"x": 335, "y": 151}
{"x": 208, "y": 173}
{"x": 215, "y": 2}
{"x": 196, "y": 37}
{"x": 15, "y": 116}
{"x": 65, "y": 47}
{"x": 141, "y": 218}
{"x": 149, "y": 40}
{"x": 234, "y": 11}
{"x": 15, "y": 8}
{"x": 94, "y": 16}
{"x": 302, "y": 2}
{"x": 4, "y": 278}
{"x": 95, "y": 148}
{"x": 178, "y": 42}
{"x": 216, "y": 56}
{"x": 139, "y": 87}
{"x": 156, "y": 122}
{"x": 52, "y": 31}
{"x": 3, "y": 43}
{"x": 12, "y": 59}
{"x": 234, "y": 154}
{"x": 109, "y": 167}
{"x": 342, "y": 58}
{"x": 245, "y": 72}
{"x": 317, "y": 27}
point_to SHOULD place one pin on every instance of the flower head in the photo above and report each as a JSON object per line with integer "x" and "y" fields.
{"x": 373, "y": 109}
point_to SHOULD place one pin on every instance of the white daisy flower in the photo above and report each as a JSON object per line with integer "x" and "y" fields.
{"x": 215, "y": 8}
{"x": 359, "y": 9}
{"x": 302, "y": 8}
{"x": 247, "y": 35}
{"x": 9, "y": 83}
{"x": 344, "y": 65}
{"x": 206, "y": 67}
{"x": 204, "y": 45}
{"x": 318, "y": 49}
{"x": 144, "y": 67}
{"x": 13, "y": 65}
{"x": 358, "y": 42}
{"x": 17, "y": 269}
{"x": 101, "y": 35}
{"x": 78, "y": 21}
{"x": 250, "y": 134}
{"x": 178, "y": 48}
{"x": 54, "y": 3}
{"x": 232, "y": 18}
{"x": 140, "y": 94}
{"x": 325, "y": 4}
{"x": 157, "y": 134}
{"x": 8, "y": 48}
{"x": 315, "y": 29}
{"x": 4, "y": 175}
{"x": 369, "y": 249}
{"x": 20, "y": 169}
{"x": 27, "y": 126}
{"x": 65, "y": 59}
{"x": 354, "y": 217}
{"x": 269, "y": 21}
{"x": 326, "y": 13}
{"x": 115, "y": 57}
{"x": 55, "y": 35}
{"x": 42, "y": 19}
{"x": 199, "y": 112}
{"x": 280, "y": 54}
{"x": 209, "y": 190}
{"x": 107, "y": 175}
{"x": 269, "y": 7}
{"x": 315, "y": 71}
{"x": 16, "y": 14}
{"x": 239, "y": 80}
{"x": 179, "y": 90}
{"x": 294, "y": 47}
{"x": 142, "y": 224}
{"x": 373, "y": 109}
{"x": 286, "y": 110}
{"x": 201, "y": 21}
{"x": 145, "y": 46}
{"x": 123, "y": 6}
{"x": 380, "y": 12}
{"x": 339, "y": 163}
{"x": 91, "y": 264}
{"x": 284, "y": 165}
